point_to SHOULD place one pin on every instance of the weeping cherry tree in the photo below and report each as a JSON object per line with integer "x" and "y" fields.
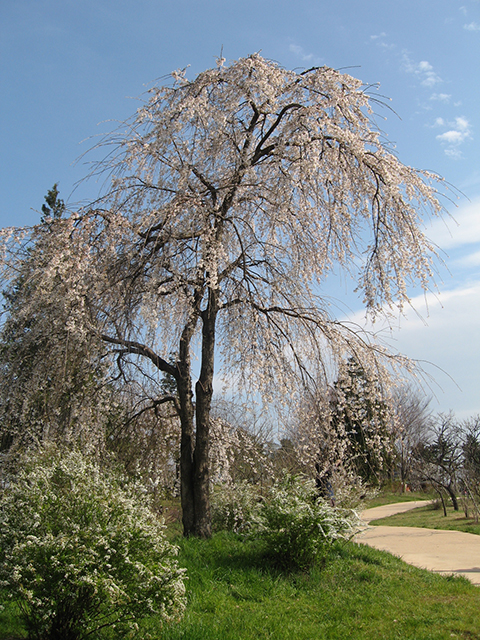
{"x": 230, "y": 199}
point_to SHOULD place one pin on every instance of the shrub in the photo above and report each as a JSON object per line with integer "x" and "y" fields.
{"x": 234, "y": 507}
{"x": 79, "y": 553}
{"x": 297, "y": 525}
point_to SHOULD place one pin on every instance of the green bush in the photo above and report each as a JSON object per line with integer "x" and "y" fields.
{"x": 234, "y": 507}
{"x": 79, "y": 554}
{"x": 297, "y": 525}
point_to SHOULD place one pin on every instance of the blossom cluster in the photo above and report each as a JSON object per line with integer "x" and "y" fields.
{"x": 80, "y": 553}
{"x": 297, "y": 525}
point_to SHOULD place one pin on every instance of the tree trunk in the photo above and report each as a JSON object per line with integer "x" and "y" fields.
{"x": 186, "y": 460}
{"x": 187, "y": 414}
{"x": 200, "y": 457}
{"x": 203, "y": 396}
{"x": 439, "y": 491}
{"x": 453, "y": 497}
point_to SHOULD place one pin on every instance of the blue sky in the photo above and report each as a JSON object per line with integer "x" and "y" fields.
{"x": 67, "y": 68}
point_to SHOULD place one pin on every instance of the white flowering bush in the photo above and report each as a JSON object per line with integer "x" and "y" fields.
{"x": 234, "y": 507}
{"x": 297, "y": 525}
{"x": 80, "y": 554}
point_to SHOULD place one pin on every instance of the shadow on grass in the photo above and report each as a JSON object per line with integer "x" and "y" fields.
{"x": 238, "y": 554}
{"x": 10, "y": 624}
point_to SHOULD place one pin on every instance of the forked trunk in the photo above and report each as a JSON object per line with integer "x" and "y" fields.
{"x": 203, "y": 393}
{"x": 453, "y": 497}
{"x": 194, "y": 448}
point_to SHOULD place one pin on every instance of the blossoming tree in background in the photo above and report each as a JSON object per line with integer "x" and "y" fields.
{"x": 231, "y": 198}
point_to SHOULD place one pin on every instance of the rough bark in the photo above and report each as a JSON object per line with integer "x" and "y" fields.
{"x": 186, "y": 413}
{"x": 453, "y": 497}
{"x": 203, "y": 394}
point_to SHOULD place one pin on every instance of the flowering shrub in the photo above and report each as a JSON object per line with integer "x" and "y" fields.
{"x": 297, "y": 525}
{"x": 234, "y": 507}
{"x": 79, "y": 553}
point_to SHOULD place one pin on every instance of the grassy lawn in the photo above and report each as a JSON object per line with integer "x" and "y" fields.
{"x": 430, "y": 518}
{"x": 387, "y": 496}
{"x": 358, "y": 593}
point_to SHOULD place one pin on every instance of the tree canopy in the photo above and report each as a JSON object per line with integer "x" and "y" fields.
{"x": 230, "y": 199}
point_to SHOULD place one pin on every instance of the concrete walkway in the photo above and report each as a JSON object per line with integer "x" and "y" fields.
{"x": 444, "y": 552}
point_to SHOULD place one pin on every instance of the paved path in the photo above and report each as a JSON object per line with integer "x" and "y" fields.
{"x": 444, "y": 552}
{"x": 390, "y": 509}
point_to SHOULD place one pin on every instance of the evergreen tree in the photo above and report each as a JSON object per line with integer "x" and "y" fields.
{"x": 362, "y": 416}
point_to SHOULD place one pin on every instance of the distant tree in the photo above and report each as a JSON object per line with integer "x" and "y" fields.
{"x": 412, "y": 422}
{"x": 439, "y": 460}
{"x": 241, "y": 441}
{"x": 51, "y": 376}
{"x": 471, "y": 461}
{"x": 362, "y": 418}
{"x": 54, "y": 207}
{"x": 233, "y": 196}
{"x": 287, "y": 457}
{"x": 471, "y": 446}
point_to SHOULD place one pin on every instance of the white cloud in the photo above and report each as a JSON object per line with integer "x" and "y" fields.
{"x": 442, "y": 333}
{"x": 423, "y": 70}
{"x": 472, "y": 260}
{"x": 378, "y": 39}
{"x": 462, "y": 123}
{"x": 461, "y": 230}
{"x": 451, "y": 341}
{"x": 442, "y": 97}
{"x": 473, "y": 26}
{"x": 454, "y": 153}
{"x": 453, "y": 138}
{"x": 303, "y": 55}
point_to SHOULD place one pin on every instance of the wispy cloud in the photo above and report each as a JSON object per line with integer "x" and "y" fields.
{"x": 433, "y": 332}
{"x": 472, "y": 260}
{"x": 300, "y": 53}
{"x": 459, "y": 132}
{"x": 441, "y": 97}
{"x": 379, "y": 40}
{"x": 472, "y": 26}
{"x": 422, "y": 70}
{"x": 462, "y": 230}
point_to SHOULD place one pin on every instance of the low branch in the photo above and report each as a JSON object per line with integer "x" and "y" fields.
{"x": 131, "y": 346}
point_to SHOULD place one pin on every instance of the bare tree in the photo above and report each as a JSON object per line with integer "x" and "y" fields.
{"x": 232, "y": 198}
{"x": 413, "y": 418}
{"x": 471, "y": 462}
{"x": 439, "y": 460}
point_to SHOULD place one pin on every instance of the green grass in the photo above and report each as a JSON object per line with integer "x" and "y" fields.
{"x": 10, "y": 627}
{"x": 388, "y": 496}
{"x": 357, "y": 593}
{"x": 429, "y": 518}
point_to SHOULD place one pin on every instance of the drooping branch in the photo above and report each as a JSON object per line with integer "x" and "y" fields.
{"x": 260, "y": 150}
{"x": 131, "y": 346}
